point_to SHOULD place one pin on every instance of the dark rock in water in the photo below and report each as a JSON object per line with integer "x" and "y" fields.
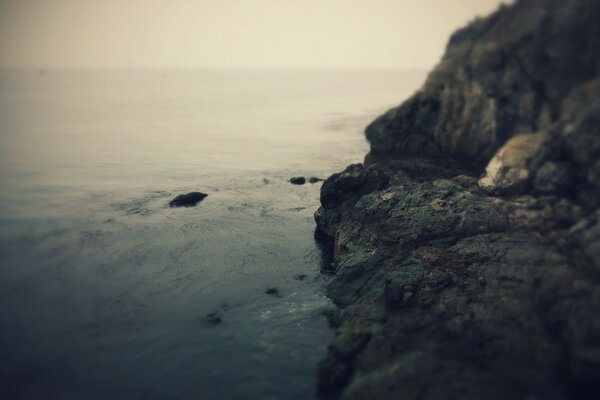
{"x": 298, "y": 180}
{"x": 273, "y": 292}
{"x": 451, "y": 286}
{"x": 214, "y": 318}
{"x": 187, "y": 200}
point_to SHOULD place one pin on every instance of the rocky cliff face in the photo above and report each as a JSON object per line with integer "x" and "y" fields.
{"x": 467, "y": 248}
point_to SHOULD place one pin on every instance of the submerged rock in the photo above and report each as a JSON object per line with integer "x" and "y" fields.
{"x": 466, "y": 250}
{"x": 187, "y": 200}
{"x": 273, "y": 292}
{"x": 298, "y": 180}
{"x": 214, "y": 318}
{"x": 300, "y": 277}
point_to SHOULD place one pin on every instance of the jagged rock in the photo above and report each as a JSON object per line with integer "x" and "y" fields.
{"x": 188, "y": 199}
{"x": 452, "y": 287}
{"x": 401, "y": 286}
{"x": 501, "y": 76}
{"x": 355, "y": 181}
{"x": 340, "y": 191}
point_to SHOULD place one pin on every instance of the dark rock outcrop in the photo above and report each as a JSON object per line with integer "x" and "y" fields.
{"x": 466, "y": 250}
{"x": 509, "y": 74}
{"x": 188, "y": 199}
{"x": 273, "y": 292}
{"x": 298, "y": 180}
{"x": 214, "y": 318}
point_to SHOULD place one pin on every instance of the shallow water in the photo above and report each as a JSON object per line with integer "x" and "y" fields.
{"x": 104, "y": 289}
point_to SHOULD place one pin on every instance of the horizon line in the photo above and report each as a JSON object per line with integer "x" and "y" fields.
{"x": 206, "y": 68}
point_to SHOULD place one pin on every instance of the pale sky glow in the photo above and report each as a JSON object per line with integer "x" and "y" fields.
{"x": 231, "y": 33}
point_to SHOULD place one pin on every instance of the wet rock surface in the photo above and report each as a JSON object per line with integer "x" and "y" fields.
{"x": 298, "y": 180}
{"x": 187, "y": 200}
{"x": 466, "y": 250}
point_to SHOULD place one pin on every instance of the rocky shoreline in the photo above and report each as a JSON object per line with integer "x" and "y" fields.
{"x": 466, "y": 249}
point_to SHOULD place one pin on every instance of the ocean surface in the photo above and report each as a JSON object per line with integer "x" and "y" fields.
{"x": 104, "y": 288}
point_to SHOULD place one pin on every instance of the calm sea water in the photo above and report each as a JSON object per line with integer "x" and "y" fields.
{"x": 104, "y": 289}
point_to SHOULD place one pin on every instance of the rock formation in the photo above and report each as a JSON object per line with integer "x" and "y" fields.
{"x": 188, "y": 199}
{"x": 298, "y": 180}
{"x": 467, "y": 247}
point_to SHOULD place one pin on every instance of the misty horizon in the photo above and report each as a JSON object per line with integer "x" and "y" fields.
{"x": 240, "y": 34}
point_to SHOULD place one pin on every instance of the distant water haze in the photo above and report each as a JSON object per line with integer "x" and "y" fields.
{"x": 231, "y": 33}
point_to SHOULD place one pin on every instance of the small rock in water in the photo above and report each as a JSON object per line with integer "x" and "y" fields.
{"x": 273, "y": 292}
{"x": 298, "y": 180}
{"x": 214, "y": 318}
{"x": 187, "y": 200}
{"x": 300, "y": 277}
{"x": 314, "y": 179}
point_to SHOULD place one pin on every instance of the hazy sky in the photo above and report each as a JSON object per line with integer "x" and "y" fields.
{"x": 231, "y": 33}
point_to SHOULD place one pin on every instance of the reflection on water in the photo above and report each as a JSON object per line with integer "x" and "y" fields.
{"x": 104, "y": 289}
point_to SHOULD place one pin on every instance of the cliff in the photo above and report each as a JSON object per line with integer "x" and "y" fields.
{"x": 466, "y": 249}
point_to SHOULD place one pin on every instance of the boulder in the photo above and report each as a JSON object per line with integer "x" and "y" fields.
{"x": 188, "y": 199}
{"x": 298, "y": 180}
{"x": 214, "y": 318}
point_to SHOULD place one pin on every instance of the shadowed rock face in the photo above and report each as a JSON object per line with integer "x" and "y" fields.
{"x": 467, "y": 248}
{"x": 505, "y": 75}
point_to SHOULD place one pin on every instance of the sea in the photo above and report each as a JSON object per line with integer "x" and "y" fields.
{"x": 104, "y": 289}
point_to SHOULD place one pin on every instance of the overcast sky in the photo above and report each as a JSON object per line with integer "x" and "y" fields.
{"x": 231, "y": 33}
